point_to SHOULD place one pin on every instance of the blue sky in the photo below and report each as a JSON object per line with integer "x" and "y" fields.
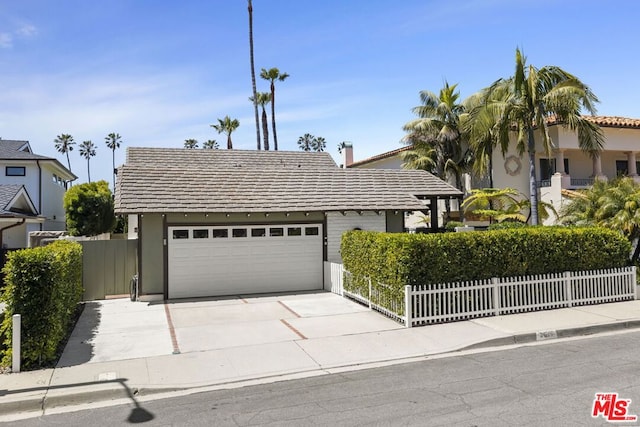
{"x": 159, "y": 72}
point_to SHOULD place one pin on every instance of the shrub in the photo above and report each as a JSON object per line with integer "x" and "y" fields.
{"x": 413, "y": 259}
{"x": 44, "y": 286}
{"x": 89, "y": 209}
{"x": 451, "y": 225}
{"x": 507, "y": 225}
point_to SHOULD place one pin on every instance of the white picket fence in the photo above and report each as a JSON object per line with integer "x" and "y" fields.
{"x": 448, "y": 302}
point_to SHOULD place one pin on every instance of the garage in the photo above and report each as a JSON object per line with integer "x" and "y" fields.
{"x": 243, "y": 259}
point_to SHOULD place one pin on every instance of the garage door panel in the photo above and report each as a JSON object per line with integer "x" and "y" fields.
{"x": 243, "y": 265}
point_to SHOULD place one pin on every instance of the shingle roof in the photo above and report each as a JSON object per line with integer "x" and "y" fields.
{"x": 7, "y": 193}
{"x": 228, "y": 158}
{"x": 145, "y": 189}
{"x": 10, "y": 150}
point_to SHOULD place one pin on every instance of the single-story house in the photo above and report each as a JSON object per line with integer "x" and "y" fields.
{"x": 233, "y": 222}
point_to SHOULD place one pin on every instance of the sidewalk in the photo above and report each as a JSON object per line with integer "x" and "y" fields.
{"x": 33, "y": 392}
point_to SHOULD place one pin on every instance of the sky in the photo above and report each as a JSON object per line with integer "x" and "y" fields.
{"x": 158, "y": 72}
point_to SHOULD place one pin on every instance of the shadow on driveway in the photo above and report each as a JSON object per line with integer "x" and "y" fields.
{"x": 79, "y": 348}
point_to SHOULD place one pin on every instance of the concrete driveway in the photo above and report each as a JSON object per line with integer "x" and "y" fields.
{"x": 120, "y": 329}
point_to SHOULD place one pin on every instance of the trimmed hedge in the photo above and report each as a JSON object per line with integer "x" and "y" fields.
{"x": 44, "y": 286}
{"x": 416, "y": 259}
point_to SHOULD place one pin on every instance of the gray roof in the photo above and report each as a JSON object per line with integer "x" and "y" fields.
{"x": 199, "y": 186}
{"x": 7, "y": 193}
{"x": 228, "y": 158}
{"x": 11, "y": 150}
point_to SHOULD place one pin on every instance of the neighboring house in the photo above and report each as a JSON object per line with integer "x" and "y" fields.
{"x": 232, "y": 222}
{"x": 568, "y": 167}
{"x": 32, "y": 188}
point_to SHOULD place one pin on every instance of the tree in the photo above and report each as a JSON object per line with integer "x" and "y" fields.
{"x": 113, "y": 141}
{"x": 253, "y": 74}
{"x": 190, "y": 143}
{"x": 264, "y": 98}
{"x": 273, "y": 74}
{"x": 523, "y": 103}
{"x": 64, "y": 144}
{"x": 210, "y": 144}
{"x": 87, "y": 150}
{"x": 614, "y": 205}
{"x": 503, "y": 204}
{"x": 308, "y": 142}
{"x": 437, "y": 134}
{"x": 89, "y": 209}
{"x": 227, "y": 126}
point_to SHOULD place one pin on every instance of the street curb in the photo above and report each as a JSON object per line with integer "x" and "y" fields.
{"x": 557, "y": 333}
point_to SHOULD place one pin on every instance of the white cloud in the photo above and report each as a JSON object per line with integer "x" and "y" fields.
{"x": 6, "y": 41}
{"x": 27, "y": 30}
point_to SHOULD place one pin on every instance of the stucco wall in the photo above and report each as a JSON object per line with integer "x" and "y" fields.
{"x": 337, "y": 223}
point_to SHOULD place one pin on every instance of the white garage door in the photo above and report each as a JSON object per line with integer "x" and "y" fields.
{"x": 234, "y": 260}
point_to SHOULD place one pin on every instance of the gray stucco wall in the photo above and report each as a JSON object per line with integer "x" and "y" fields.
{"x": 395, "y": 221}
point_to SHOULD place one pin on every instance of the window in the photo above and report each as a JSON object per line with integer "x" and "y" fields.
{"x": 276, "y": 232}
{"x": 15, "y": 171}
{"x": 220, "y": 234}
{"x": 239, "y": 232}
{"x": 180, "y": 234}
{"x": 311, "y": 231}
{"x": 294, "y": 231}
{"x": 622, "y": 167}
{"x": 201, "y": 234}
{"x": 548, "y": 168}
{"x": 258, "y": 232}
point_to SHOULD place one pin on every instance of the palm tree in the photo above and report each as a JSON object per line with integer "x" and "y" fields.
{"x": 190, "y": 143}
{"x": 227, "y": 126}
{"x": 438, "y": 131}
{"x": 614, "y": 205}
{"x": 308, "y": 142}
{"x": 64, "y": 144}
{"x": 253, "y": 74}
{"x": 527, "y": 100}
{"x": 113, "y": 141}
{"x": 421, "y": 156}
{"x": 210, "y": 144}
{"x": 263, "y": 99}
{"x": 87, "y": 150}
{"x": 273, "y": 74}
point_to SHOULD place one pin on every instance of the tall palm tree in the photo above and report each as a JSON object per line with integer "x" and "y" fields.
{"x": 113, "y": 141}
{"x": 273, "y": 74}
{"x": 438, "y": 131}
{"x": 227, "y": 126}
{"x": 210, "y": 144}
{"x": 421, "y": 156}
{"x": 523, "y": 103}
{"x": 263, "y": 98}
{"x": 253, "y": 73}
{"x": 190, "y": 143}
{"x": 64, "y": 143}
{"x": 87, "y": 150}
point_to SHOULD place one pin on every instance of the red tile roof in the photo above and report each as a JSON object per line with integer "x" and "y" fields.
{"x": 380, "y": 156}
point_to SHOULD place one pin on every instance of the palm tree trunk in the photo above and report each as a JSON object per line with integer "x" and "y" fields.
{"x": 265, "y": 129}
{"x": 113, "y": 171}
{"x": 273, "y": 116}
{"x": 253, "y": 74}
{"x": 68, "y": 161}
{"x": 533, "y": 185}
{"x": 88, "y": 171}
{"x": 229, "y": 143}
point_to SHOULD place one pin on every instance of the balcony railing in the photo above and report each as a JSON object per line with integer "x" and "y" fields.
{"x": 544, "y": 183}
{"x": 581, "y": 182}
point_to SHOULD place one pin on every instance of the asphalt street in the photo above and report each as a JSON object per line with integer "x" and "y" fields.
{"x": 548, "y": 384}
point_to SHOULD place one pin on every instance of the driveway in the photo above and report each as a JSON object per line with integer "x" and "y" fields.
{"x": 119, "y": 329}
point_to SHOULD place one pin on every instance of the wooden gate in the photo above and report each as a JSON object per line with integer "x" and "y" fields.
{"x": 107, "y": 267}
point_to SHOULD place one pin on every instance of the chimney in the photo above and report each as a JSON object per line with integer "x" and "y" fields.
{"x": 347, "y": 154}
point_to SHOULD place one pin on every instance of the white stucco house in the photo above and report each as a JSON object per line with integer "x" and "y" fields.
{"x": 566, "y": 168}
{"x": 234, "y": 222}
{"x": 32, "y": 188}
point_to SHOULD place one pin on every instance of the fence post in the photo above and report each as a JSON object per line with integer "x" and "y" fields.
{"x": 408, "y": 314}
{"x": 633, "y": 282}
{"x": 16, "y": 344}
{"x": 496, "y": 295}
{"x": 369, "y": 293}
{"x": 568, "y": 290}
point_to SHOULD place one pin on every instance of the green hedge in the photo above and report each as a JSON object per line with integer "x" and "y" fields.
{"x": 416, "y": 259}
{"x": 44, "y": 286}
